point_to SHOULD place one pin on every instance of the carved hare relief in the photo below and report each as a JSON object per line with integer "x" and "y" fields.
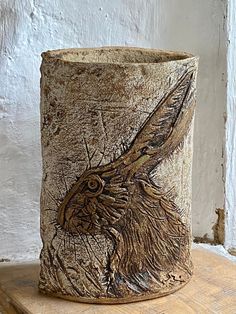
{"x": 147, "y": 251}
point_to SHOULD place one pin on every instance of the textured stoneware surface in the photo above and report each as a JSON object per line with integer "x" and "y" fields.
{"x": 116, "y": 127}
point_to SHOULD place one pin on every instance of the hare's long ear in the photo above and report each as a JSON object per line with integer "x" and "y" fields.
{"x": 164, "y": 130}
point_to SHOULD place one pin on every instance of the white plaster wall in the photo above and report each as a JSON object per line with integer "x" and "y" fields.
{"x": 230, "y": 191}
{"x": 28, "y": 27}
{"x": 201, "y": 27}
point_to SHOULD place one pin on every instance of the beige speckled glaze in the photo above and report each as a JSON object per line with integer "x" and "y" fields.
{"x": 116, "y": 127}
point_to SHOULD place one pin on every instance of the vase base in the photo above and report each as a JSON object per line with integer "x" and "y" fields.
{"x": 121, "y": 300}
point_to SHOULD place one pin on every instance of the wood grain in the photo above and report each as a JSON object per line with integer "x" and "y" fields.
{"x": 211, "y": 290}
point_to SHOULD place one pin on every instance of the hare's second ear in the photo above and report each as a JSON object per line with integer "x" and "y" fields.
{"x": 165, "y": 129}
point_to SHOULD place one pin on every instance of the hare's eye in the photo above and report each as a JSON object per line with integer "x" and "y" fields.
{"x": 94, "y": 185}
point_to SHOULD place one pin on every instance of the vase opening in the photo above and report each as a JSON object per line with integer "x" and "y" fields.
{"x": 116, "y": 55}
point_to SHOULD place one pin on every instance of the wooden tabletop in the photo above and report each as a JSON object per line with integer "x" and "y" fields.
{"x": 211, "y": 290}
